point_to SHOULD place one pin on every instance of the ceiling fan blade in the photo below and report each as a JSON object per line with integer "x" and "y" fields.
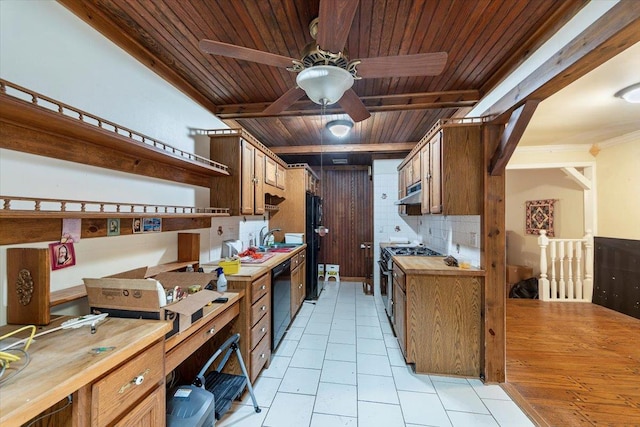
{"x": 422, "y": 64}
{"x": 238, "y": 52}
{"x": 334, "y": 22}
{"x": 353, "y": 106}
{"x": 285, "y": 101}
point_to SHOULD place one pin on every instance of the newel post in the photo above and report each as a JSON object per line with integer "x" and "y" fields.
{"x": 588, "y": 266}
{"x": 543, "y": 283}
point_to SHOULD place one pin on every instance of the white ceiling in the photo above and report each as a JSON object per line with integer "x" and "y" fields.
{"x": 587, "y": 112}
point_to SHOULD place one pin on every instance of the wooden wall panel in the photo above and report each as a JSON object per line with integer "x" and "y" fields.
{"x": 617, "y": 275}
{"x": 347, "y": 208}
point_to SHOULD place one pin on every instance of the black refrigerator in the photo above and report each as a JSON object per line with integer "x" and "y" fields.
{"x": 313, "y": 219}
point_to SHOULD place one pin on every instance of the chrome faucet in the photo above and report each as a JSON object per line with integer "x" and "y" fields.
{"x": 264, "y": 237}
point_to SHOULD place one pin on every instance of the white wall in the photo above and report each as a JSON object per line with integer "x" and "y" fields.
{"x": 619, "y": 190}
{"x": 45, "y": 48}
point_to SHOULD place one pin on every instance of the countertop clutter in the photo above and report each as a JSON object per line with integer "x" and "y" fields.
{"x": 249, "y": 272}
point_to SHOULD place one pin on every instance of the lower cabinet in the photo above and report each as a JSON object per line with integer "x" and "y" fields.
{"x": 255, "y": 323}
{"x": 298, "y": 282}
{"x": 150, "y": 412}
{"x": 438, "y": 323}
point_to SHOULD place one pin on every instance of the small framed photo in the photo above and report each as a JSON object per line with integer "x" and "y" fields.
{"x": 113, "y": 227}
{"x": 137, "y": 225}
{"x": 152, "y": 225}
{"x": 62, "y": 255}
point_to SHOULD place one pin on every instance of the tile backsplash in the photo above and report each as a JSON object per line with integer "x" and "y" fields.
{"x": 455, "y": 235}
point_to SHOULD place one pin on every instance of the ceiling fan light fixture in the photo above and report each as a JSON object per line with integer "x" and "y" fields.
{"x": 339, "y": 128}
{"x": 324, "y": 84}
{"x": 630, "y": 94}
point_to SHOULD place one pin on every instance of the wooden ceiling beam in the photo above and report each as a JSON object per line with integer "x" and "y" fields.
{"x": 612, "y": 33}
{"x": 345, "y": 148}
{"x": 399, "y": 102}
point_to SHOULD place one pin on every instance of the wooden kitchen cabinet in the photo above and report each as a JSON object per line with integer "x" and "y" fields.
{"x": 298, "y": 282}
{"x": 415, "y": 169}
{"x": 451, "y": 169}
{"x": 254, "y": 323}
{"x": 438, "y": 322}
{"x": 253, "y": 169}
{"x": 399, "y": 308}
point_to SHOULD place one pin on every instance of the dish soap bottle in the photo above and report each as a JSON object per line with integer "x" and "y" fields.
{"x": 222, "y": 281}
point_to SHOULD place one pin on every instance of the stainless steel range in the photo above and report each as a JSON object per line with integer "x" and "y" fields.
{"x": 386, "y": 269}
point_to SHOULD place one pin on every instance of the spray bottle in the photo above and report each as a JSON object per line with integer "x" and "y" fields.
{"x": 222, "y": 281}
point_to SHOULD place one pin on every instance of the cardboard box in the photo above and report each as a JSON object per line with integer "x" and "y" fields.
{"x": 516, "y": 273}
{"x": 139, "y": 298}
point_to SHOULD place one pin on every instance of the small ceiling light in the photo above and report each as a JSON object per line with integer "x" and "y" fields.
{"x": 324, "y": 84}
{"x": 630, "y": 94}
{"x": 339, "y": 128}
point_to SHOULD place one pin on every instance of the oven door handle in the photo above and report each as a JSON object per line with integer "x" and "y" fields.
{"x": 383, "y": 267}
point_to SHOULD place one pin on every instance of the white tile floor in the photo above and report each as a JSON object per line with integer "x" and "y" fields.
{"x": 340, "y": 365}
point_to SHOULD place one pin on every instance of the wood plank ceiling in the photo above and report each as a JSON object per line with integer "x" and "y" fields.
{"x": 485, "y": 39}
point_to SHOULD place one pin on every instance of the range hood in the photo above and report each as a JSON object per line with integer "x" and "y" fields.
{"x": 413, "y": 197}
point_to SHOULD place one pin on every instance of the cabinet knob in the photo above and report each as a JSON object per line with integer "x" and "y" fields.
{"x": 262, "y": 356}
{"x": 263, "y": 308}
{"x": 137, "y": 380}
{"x": 263, "y": 287}
{"x": 263, "y": 330}
{"x": 212, "y": 331}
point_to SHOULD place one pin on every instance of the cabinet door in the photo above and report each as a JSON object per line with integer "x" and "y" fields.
{"x": 415, "y": 169}
{"x": 150, "y": 412}
{"x": 436, "y": 173}
{"x": 425, "y": 179}
{"x": 281, "y": 176}
{"x": 303, "y": 278}
{"x": 248, "y": 178}
{"x": 402, "y": 188}
{"x": 400, "y": 316}
{"x": 270, "y": 171}
{"x": 295, "y": 291}
{"x": 259, "y": 169}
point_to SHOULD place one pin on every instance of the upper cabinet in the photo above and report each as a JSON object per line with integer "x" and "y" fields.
{"x": 450, "y": 157}
{"x": 254, "y": 172}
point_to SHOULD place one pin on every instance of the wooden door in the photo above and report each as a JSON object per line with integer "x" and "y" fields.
{"x": 347, "y": 212}
{"x": 415, "y": 168}
{"x": 248, "y": 178}
{"x": 436, "y": 173}
{"x": 281, "y": 176}
{"x": 258, "y": 169}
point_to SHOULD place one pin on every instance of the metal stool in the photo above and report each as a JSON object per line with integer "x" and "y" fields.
{"x": 332, "y": 270}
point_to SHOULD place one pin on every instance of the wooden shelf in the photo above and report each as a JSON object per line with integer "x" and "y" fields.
{"x": 36, "y": 124}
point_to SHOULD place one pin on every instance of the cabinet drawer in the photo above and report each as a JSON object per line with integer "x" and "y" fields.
{"x": 262, "y": 328}
{"x": 259, "y": 288}
{"x": 294, "y": 261}
{"x": 260, "y": 356}
{"x": 260, "y": 308}
{"x": 302, "y": 257}
{"x": 127, "y": 384}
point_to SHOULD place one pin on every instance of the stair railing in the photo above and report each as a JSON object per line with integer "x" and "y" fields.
{"x": 570, "y": 262}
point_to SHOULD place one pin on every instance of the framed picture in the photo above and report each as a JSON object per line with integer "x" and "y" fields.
{"x": 539, "y": 216}
{"x": 137, "y": 225}
{"x": 152, "y": 225}
{"x": 113, "y": 227}
{"x": 62, "y": 255}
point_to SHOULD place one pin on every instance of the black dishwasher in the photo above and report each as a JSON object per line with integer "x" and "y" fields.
{"x": 280, "y": 301}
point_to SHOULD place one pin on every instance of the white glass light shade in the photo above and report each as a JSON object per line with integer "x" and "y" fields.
{"x": 339, "y": 128}
{"x": 630, "y": 94}
{"x": 324, "y": 84}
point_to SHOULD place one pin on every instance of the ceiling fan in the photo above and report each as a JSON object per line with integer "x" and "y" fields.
{"x": 325, "y": 74}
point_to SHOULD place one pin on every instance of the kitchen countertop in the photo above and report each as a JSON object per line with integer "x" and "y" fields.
{"x": 250, "y": 272}
{"x": 432, "y": 265}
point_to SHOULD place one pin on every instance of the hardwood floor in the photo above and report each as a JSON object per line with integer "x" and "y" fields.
{"x": 573, "y": 364}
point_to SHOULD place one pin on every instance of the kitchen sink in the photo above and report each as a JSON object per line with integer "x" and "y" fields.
{"x": 280, "y": 247}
